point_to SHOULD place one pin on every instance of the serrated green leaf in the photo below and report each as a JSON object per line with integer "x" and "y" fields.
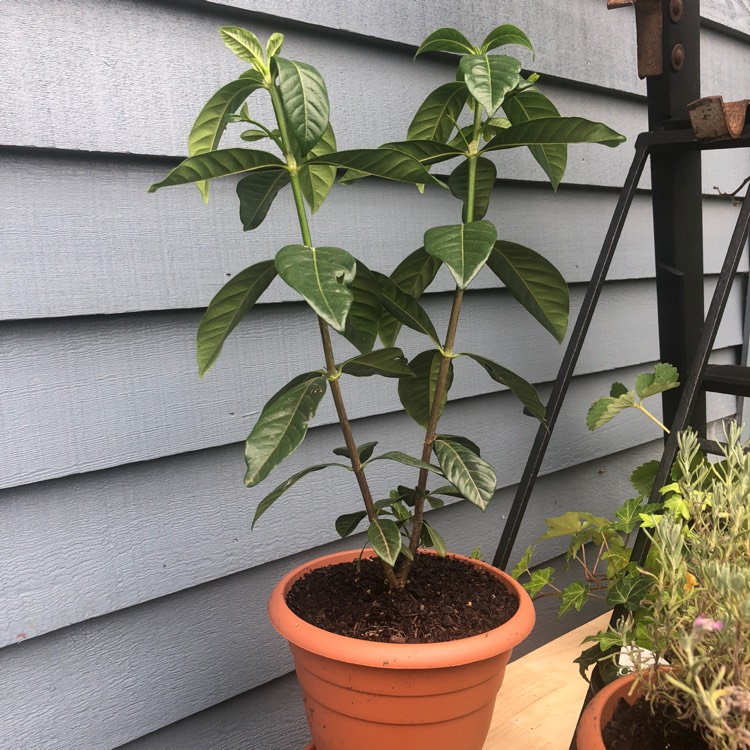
{"x": 538, "y": 580}
{"x": 644, "y": 476}
{"x": 388, "y": 163}
{"x": 464, "y": 248}
{"x": 520, "y": 388}
{"x": 489, "y": 78}
{"x": 227, "y": 308}
{"x": 484, "y": 183}
{"x": 385, "y": 538}
{"x": 617, "y": 390}
{"x": 281, "y": 427}
{"x": 522, "y": 566}
{"x": 446, "y": 40}
{"x": 405, "y": 308}
{"x": 403, "y": 458}
{"x": 413, "y": 275}
{"x": 272, "y": 497}
{"x": 417, "y": 394}
{"x": 322, "y": 276}
{"x": 243, "y": 43}
{"x": 432, "y": 538}
{"x": 575, "y": 595}
{"x": 274, "y": 44}
{"x": 305, "y": 102}
{"x": 316, "y": 180}
{"x": 361, "y": 327}
{"x": 629, "y": 592}
{"x": 549, "y": 130}
{"x": 347, "y": 523}
{"x": 534, "y": 282}
{"x": 664, "y": 378}
{"x": 388, "y": 363}
{"x": 436, "y": 117}
{"x": 218, "y": 164}
{"x": 469, "y": 473}
{"x": 606, "y": 408}
{"x": 506, "y": 34}
{"x": 257, "y": 192}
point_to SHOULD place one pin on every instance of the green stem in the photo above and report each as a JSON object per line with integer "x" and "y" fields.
{"x": 642, "y": 408}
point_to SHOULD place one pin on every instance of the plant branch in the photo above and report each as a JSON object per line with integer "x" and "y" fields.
{"x": 642, "y": 408}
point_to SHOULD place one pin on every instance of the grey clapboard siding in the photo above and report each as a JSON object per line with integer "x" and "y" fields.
{"x": 95, "y": 393}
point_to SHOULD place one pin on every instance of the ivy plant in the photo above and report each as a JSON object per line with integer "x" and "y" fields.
{"x": 489, "y": 107}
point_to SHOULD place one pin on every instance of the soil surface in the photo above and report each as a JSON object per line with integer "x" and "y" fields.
{"x": 636, "y": 728}
{"x": 445, "y": 599}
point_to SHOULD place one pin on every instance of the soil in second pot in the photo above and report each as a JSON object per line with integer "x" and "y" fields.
{"x": 444, "y": 600}
{"x": 636, "y": 728}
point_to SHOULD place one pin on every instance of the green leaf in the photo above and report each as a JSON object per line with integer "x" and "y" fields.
{"x": 365, "y": 451}
{"x": 470, "y": 444}
{"x": 211, "y": 122}
{"x": 446, "y": 40}
{"x": 520, "y": 388}
{"x": 435, "y": 502}
{"x": 505, "y": 34}
{"x": 322, "y": 276}
{"x": 574, "y": 595}
{"x": 448, "y": 490}
{"x": 384, "y": 162}
{"x": 243, "y": 43}
{"x": 489, "y": 78}
{"x": 548, "y": 130}
{"x": 535, "y": 283}
{"x": 629, "y": 591}
{"x": 572, "y": 523}
{"x": 629, "y": 515}
{"x": 617, "y": 390}
{"x": 531, "y": 104}
{"x": 253, "y": 135}
{"x": 539, "y": 579}
{"x": 218, "y": 164}
{"x": 469, "y": 473}
{"x": 413, "y": 275}
{"x": 406, "y": 460}
{"x": 664, "y": 378}
{"x": 272, "y": 497}
{"x": 227, "y": 308}
{"x": 274, "y": 44}
{"x": 316, "y": 180}
{"x": 434, "y": 539}
{"x": 606, "y": 408}
{"x": 644, "y": 476}
{"x": 417, "y": 394}
{"x": 522, "y": 566}
{"x": 385, "y": 538}
{"x": 389, "y": 363}
{"x": 458, "y": 182}
{"x": 405, "y": 308}
{"x": 361, "y": 327}
{"x": 464, "y": 248}
{"x": 281, "y": 427}
{"x": 347, "y": 524}
{"x": 438, "y": 113}
{"x": 257, "y": 192}
{"x": 305, "y": 101}
{"x": 426, "y": 152}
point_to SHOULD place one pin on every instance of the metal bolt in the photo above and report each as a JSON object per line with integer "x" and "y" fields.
{"x": 678, "y": 57}
{"x": 675, "y": 10}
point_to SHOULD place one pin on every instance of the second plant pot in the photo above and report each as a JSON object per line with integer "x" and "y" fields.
{"x": 364, "y": 695}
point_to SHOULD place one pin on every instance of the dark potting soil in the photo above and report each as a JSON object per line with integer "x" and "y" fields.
{"x": 445, "y": 599}
{"x": 636, "y": 728}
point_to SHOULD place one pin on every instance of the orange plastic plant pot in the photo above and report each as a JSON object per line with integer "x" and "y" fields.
{"x": 363, "y": 695}
{"x": 599, "y": 712}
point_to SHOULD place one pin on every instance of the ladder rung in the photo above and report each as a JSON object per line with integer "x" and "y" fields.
{"x": 733, "y": 379}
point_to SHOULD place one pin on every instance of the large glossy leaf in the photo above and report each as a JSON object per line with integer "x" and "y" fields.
{"x": 534, "y": 282}
{"x": 218, "y": 164}
{"x": 532, "y": 104}
{"x": 281, "y": 427}
{"x": 316, "y": 180}
{"x": 446, "y": 40}
{"x": 426, "y": 152}
{"x": 438, "y": 113}
{"x": 212, "y": 120}
{"x": 466, "y": 471}
{"x": 505, "y": 34}
{"x": 413, "y": 275}
{"x": 521, "y": 389}
{"x": 464, "y": 248}
{"x": 322, "y": 276}
{"x": 418, "y": 393}
{"x": 490, "y": 77}
{"x": 484, "y": 183}
{"x": 385, "y": 538}
{"x": 546, "y": 130}
{"x": 243, "y": 43}
{"x": 305, "y": 101}
{"x": 361, "y": 327}
{"x": 227, "y": 308}
{"x": 378, "y": 162}
{"x": 407, "y": 460}
{"x": 405, "y": 308}
{"x": 389, "y": 363}
{"x": 257, "y": 192}
{"x": 272, "y": 497}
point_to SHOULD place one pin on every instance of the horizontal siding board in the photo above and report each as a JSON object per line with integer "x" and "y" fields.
{"x": 112, "y": 539}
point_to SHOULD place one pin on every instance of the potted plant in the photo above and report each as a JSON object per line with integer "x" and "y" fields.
{"x": 388, "y": 689}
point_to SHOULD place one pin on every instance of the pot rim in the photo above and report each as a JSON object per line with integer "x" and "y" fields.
{"x": 398, "y": 655}
{"x": 597, "y": 715}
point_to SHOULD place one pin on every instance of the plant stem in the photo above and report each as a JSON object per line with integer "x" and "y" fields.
{"x": 642, "y": 408}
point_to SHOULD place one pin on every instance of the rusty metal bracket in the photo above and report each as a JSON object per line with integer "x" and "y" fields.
{"x": 648, "y": 30}
{"x": 713, "y": 119}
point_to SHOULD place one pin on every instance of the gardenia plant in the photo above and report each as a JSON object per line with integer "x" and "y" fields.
{"x": 489, "y": 107}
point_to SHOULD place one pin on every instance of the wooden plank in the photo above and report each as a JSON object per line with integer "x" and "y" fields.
{"x": 116, "y": 538}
